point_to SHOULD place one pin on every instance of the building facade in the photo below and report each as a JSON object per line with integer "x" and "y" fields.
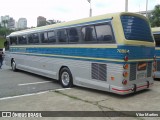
{"x": 4, "y": 21}
{"x": 11, "y": 24}
{"x": 41, "y": 21}
{"x": 22, "y": 23}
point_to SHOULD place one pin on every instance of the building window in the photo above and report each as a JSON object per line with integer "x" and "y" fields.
{"x": 73, "y": 35}
{"x": 89, "y": 34}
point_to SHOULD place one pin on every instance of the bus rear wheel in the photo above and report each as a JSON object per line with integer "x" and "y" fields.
{"x": 13, "y": 65}
{"x": 66, "y": 79}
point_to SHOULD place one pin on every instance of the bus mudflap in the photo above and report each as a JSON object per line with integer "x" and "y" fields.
{"x": 147, "y": 84}
{"x": 134, "y": 89}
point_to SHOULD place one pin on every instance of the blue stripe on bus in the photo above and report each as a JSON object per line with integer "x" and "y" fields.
{"x": 135, "y": 52}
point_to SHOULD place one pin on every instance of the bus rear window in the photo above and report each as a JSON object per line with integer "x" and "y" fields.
{"x": 136, "y": 28}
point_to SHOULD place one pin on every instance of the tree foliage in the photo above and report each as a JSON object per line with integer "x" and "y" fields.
{"x": 4, "y": 31}
{"x": 155, "y": 17}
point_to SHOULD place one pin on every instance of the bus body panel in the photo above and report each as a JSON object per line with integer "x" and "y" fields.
{"x": 81, "y": 67}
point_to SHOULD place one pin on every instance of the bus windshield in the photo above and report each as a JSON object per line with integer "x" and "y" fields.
{"x": 136, "y": 28}
{"x": 157, "y": 39}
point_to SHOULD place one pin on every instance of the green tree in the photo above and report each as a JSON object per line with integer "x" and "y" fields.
{"x": 5, "y": 22}
{"x": 155, "y": 17}
{"x": 4, "y": 31}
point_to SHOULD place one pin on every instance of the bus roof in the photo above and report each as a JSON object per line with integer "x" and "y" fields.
{"x": 156, "y": 29}
{"x": 72, "y": 23}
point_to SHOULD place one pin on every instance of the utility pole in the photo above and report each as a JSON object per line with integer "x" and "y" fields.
{"x": 126, "y": 5}
{"x": 90, "y": 11}
{"x": 147, "y": 8}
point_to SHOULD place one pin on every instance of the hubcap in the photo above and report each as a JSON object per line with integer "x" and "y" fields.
{"x": 65, "y": 78}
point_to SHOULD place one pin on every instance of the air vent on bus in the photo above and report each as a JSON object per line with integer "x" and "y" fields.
{"x": 158, "y": 65}
{"x": 132, "y": 71}
{"x": 149, "y": 69}
{"x": 99, "y": 71}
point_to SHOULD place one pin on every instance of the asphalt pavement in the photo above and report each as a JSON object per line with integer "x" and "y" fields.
{"x": 20, "y": 83}
{"x": 59, "y": 101}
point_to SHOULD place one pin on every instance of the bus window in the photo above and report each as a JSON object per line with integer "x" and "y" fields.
{"x": 62, "y": 36}
{"x": 89, "y": 34}
{"x": 44, "y": 37}
{"x": 104, "y": 33}
{"x": 136, "y": 28}
{"x": 157, "y": 39}
{"x": 22, "y": 39}
{"x": 73, "y": 35}
{"x": 33, "y": 38}
{"x": 13, "y": 40}
{"x": 51, "y": 37}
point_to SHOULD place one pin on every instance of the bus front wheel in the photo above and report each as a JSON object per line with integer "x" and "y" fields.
{"x": 13, "y": 65}
{"x": 66, "y": 79}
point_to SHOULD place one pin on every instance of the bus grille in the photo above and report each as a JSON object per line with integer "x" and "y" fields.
{"x": 99, "y": 71}
{"x": 158, "y": 65}
{"x": 149, "y": 69}
{"x": 132, "y": 71}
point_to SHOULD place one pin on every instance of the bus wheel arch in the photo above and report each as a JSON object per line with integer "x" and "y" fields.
{"x": 65, "y": 77}
{"x": 13, "y": 65}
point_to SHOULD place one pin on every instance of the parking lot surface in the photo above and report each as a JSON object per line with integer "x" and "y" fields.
{"x": 74, "y": 99}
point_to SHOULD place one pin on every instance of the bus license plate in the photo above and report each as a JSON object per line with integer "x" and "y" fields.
{"x": 141, "y": 76}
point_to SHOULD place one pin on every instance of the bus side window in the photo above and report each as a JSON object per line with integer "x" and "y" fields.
{"x": 51, "y": 37}
{"x": 22, "y": 39}
{"x": 73, "y": 35}
{"x": 13, "y": 40}
{"x": 157, "y": 39}
{"x": 89, "y": 34}
{"x": 30, "y": 40}
{"x": 62, "y": 36}
{"x": 104, "y": 33}
{"x": 44, "y": 37}
{"x": 33, "y": 38}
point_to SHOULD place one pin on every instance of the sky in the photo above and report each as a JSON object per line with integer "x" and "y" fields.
{"x": 66, "y": 10}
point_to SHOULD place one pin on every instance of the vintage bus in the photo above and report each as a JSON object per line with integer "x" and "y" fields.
{"x": 111, "y": 52}
{"x": 156, "y": 34}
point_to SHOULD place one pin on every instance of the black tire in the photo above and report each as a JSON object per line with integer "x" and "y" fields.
{"x": 13, "y": 65}
{"x": 65, "y": 78}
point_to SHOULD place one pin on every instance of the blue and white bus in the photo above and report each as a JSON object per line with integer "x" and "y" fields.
{"x": 156, "y": 34}
{"x": 111, "y": 52}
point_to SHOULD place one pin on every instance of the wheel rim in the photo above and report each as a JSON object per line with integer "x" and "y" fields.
{"x": 13, "y": 65}
{"x": 65, "y": 78}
